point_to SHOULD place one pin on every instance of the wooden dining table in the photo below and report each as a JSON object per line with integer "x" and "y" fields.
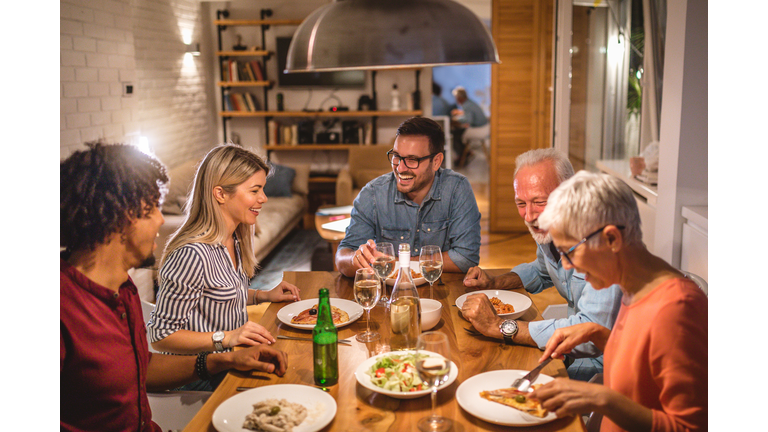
{"x": 359, "y": 408}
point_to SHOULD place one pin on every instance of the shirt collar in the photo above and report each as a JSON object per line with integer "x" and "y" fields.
{"x": 434, "y": 192}
{"x": 106, "y": 295}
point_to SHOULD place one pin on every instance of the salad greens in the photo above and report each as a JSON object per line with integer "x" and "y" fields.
{"x": 397, "y": 372}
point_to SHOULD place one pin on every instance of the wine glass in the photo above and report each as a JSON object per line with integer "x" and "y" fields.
{"x": 431, "y": 264}
{"x": 367, "y": 292}
{"x": 433, "y": 370}
{"x": 384, "y": 263}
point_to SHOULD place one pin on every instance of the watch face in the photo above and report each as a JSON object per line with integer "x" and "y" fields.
{"x": 218, "y": 336}
{"x": 509, "y": 327}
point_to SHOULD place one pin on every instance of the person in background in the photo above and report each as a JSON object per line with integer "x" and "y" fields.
{"x": 206, "y": 266}
{"x": 537, "y": 174}
{"x": 109, "y": 219}
{"x": 467, "y": 114}
{"x": 418, "y": 203}
{"x": 440, "y": 106}
{"x": 656, "y": 355}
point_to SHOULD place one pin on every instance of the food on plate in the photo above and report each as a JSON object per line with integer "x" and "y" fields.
{"x": 501, "y": 307}
{"x": 514, "y": 398}
{"x": 275, "y": 415}
{"x": 309, "y": 316}
{"x": 397, "y": 373}
{"x": 395, "y": 274}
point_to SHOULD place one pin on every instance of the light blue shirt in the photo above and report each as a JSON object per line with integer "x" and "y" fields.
{"x": 448, "y": 217}
{"x": 440, "y": 106}
{"x": 585, "y": 304}
{"x": 473, "y": 114}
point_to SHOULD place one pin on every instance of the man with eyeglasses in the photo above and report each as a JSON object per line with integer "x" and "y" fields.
{"x": 418, "y": 203}
{"x": 537, "y": 174}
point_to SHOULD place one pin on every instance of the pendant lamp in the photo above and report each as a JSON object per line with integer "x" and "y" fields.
{"x": 389, "y": 34}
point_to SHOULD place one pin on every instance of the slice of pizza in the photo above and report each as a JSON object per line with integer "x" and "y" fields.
{"x": 309, "y": 316}
{"x": 514, "y": 398}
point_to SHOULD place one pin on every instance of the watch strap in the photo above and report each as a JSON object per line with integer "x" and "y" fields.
{"x": 218, "y": 344}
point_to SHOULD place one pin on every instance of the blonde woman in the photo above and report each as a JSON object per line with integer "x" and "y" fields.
{"x": 207, "y": 264}
{"x": 655, "y": 356}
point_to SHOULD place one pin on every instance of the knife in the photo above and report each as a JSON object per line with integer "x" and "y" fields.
{"x": 524, "y": 383}
{"x": 341, "y": 341}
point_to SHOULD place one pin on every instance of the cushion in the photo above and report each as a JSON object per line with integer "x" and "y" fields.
{"x": 181, "y": 181}
{"x": 279, "y": 181}
{"x": 301, "y": 181}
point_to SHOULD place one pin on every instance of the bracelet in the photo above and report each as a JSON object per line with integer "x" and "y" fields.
{"x": 201, "y": 366}
{"x": 256, "y": 297}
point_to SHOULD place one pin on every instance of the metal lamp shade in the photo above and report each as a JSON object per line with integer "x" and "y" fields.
{"x": 389, "y": 34}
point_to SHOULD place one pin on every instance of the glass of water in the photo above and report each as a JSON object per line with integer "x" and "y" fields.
{"x": 431, "y": 264}
{"x": 433, "y": 365}
{"x": 384, "y": 263}
{"x": 367, "y": 292}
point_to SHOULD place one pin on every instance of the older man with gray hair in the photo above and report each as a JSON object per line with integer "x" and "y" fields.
{"x": 537, "y": 174}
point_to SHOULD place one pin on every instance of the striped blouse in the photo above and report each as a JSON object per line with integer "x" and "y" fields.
{"x": 200, "y": 290}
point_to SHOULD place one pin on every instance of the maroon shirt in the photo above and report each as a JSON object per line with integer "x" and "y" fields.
{"x": 104, "y": 357}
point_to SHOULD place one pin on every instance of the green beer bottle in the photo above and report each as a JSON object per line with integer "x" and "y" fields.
{"x": 324, "y": 348}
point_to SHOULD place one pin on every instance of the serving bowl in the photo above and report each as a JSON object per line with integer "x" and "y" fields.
{"x": 430, "y": 313}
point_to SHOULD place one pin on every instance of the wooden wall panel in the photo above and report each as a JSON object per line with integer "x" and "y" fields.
{"x": 521, "y": 85}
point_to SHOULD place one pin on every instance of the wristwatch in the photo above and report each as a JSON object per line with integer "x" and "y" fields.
{"x": 218, "y": 337}
{"x": 508, "y": 330}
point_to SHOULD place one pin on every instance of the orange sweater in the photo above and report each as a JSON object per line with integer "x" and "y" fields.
{"x": 657, "y": 356}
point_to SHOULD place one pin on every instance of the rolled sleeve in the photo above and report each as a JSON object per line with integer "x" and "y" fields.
{"x": 180, "y": 291}
{"x": 534, "y": 275}
{"x": 597, "y": 306}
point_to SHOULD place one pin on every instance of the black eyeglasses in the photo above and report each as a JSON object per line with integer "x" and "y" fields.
{"x": 584, "y": 240}
{"x": 410, "y": 161}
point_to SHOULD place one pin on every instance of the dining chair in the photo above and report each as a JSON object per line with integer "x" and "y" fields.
{"x": 172, "y": 410}
{"x": 474, "y": 138}
{"x": 698, "y": 280}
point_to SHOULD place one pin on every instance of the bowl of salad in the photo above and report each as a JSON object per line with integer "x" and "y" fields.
{"x": 394, "y": 374}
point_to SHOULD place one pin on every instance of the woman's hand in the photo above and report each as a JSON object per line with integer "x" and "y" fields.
{"x": 249, "y": 334}
{"x": 565, "y": 339}
{"x": 565, "y": 396}
{"x": 283, "y": 292}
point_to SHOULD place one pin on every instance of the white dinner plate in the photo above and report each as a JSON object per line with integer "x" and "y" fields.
{"x": 468, "y": 396}
{"x": 321, "y": 407}
{"x": 290, "y": 310}
{"x": 414, "y": 267}
{"x": 519, "y": 302}
{"x": 365, "y": 380}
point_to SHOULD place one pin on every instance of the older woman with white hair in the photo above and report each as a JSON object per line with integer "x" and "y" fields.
{"x": 655, "y": 374}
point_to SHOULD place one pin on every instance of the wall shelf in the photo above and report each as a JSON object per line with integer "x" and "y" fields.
{"x": 261, "y": 22}
{"x": 251, "y": 53}
{"x": 244, "y": 83}
{"x": 309, "y": 114}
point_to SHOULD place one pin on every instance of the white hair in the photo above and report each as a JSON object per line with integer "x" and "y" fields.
{"x": 563, "y": 166}
{"x": 588, "y": 201}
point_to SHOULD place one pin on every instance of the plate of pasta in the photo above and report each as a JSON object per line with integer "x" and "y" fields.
{"x": 508, "y": 304}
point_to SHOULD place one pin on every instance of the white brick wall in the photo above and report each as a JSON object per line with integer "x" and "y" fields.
{"x": 105, "y": 44}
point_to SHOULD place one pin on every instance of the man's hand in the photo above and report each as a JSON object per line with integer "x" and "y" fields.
{"x": 477, "y": 308}
{"x": 261, "y": 358}
{"x": 283, "y": 292}
{"x": 477, "y": 278}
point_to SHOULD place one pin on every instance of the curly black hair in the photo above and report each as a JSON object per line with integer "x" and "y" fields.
{"x": 104, "y": 186}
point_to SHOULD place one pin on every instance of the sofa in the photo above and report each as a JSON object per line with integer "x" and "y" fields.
{"x": 287, "y": 189}
{"x": 366, "y": 162}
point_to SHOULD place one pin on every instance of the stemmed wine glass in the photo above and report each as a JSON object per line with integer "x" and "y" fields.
{"x": 433, "y": 370}
{"x": 384, "y": 263}
{"x": 367, "y": 292}
{"x": 431, "y": 264}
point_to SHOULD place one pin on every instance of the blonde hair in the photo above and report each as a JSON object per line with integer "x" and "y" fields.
{"x": 588, "y": 201}
{"x": 228, "y": 166}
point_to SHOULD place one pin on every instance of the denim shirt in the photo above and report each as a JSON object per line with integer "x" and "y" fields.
{"x": 585, "y": 304}
{"x": 448, "y": 217}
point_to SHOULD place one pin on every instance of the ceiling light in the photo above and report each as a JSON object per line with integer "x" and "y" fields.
{"x": 389, "y": 34}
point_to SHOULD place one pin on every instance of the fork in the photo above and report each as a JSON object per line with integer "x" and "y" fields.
{"x": 472, "y": 331}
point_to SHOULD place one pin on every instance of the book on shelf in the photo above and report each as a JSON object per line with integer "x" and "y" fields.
{"x": 253, "y": 101}
{"x": 247, "y": 100}
{"x": 249, "y": 71}
{"x": 258, "y": 71}
{"x": 274, "y": 132}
